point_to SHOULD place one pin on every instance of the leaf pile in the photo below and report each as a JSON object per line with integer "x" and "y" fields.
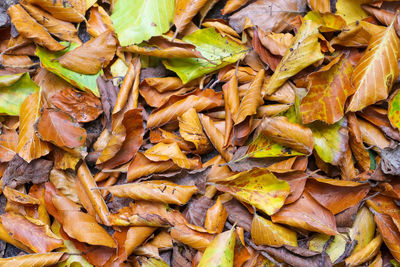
{"x": 196, "y": 133}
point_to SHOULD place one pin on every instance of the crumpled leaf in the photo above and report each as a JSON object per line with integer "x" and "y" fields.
{"x": 99, "y": 21}
{"x": 81, "y": 81}
{"x": 37, "y": 237}
{"x": 262, "y": 147}
{"x": 219, "y": 52}
{"x": 30, "y": 29}
{"x": 33, "y": 260}
{"x": 92, "y": 56}
{"x": 329, "y": 88}
{"x": 158, "y": 190}
{"x": 65, "y": 183}
{"x": 390, "y": 233}
{"x": 64, "y": 30}
{"x": 265, "y": 232}
{"x": 307, "y": 213}
{"x": 82, "y": 106}
{"x": 21, "y": 172}
{"x": 13, "y": 91}
{"x": 220, "y": 251}
{"x": 178, "y": 105}
{"x": 72, "y": 11}
{"x": 279, "y": 129}
{"x": 276, "y": 43}
{"x": 304, "y": 51}
{"x": 60, "y": 129}
{"x": 269, "y": 15}
{"x": 139, "y": 20}
{"x": 257, "y": 187}
{"x": 328, "y": 22}
{"x": 216, "y": 217}
{"x": 19, "y": 197}
{"x": 185, "y": 10}
{"x": 377, "y": 70}
{"x": 390, "y": 163}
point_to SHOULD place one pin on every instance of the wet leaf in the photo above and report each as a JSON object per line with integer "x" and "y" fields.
{"x": 257, "y": 187}
{"x": 154, "y": 19}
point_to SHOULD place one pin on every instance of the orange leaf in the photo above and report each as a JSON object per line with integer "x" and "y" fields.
{"x": 185, "y": 10}
{"x": 8, "y": 144}
{"x": 33, "y": 260}
{"x": 60, "y": 129}
{"x": 216, "y": 217}
{"x": 390, "y": 234}
{"x": 74, "y": 12}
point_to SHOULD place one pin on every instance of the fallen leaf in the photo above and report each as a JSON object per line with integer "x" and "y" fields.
{"x": 363, "y": 229}
{"x": 92, "y": 56}
{"x": 155, "y": 19}
{"x": 220, "y": 251}
{"x": 36, "y": 237}
{"x": 265, "y": 232}
{"x": 307, "y": 213}
{"x": 161, "y": 191}
{"x": 321, "y": 6}
{"x": 371, "y": 135}
{"x": 356, "y": 143}
{"x": 304, "y": 51}
{"x": 185, "y": 10}
{"x": 276, "y": 43}
{"x": 328, "y": 88}
{"x": 389, "y": 232}
{"x": 380, "y": 57}
{"x": 216, "y": 217}
{"x": 8, "y": 144}
{"x": 73, "y": 11}
{"x": 99, "y": 21}
{"x": 327, "y": 22}
{"x": 60, "y": 129}
{"x": 257, "y": 187}
{"x": 351, "y": 11}
{"x": 13, "y": 91}
{"x": 65, "y": 183}
{"x": 30, "y": 29}
{"x": 218, "y": 52}
{"x": 33, "y": 260}
{"x": 262, "y": 147}
{"x": 269, "y": 15}
{"x": 366, "y": 253}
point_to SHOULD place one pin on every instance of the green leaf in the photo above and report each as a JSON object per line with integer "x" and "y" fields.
{"x": 263, "y": 147}
{"x": 136, "y": 21}
{"x": 257, "y": 187}
{"x": 219, "y": 51}
{"x": 82, "y": 81}
{"x": 394, "y": 110}
{"x": 220, "y": 251}
{"x": 330, "y": 140}
{"x": 13, "y": 91}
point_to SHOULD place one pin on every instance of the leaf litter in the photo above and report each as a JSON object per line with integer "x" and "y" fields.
{"x": 199, "y": 133}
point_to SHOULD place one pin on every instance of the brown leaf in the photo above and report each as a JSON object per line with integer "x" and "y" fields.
{"x": 30, "y": 29}
{"x": 238, "y": 214}
{"x": 142, "y": 166}
{"x": 356, "y": 142}
{"x": 336, "y": 195}
{"x": 192, "y": 238}
{"x": 19, "y": 197}
{"x": 276, "y": 43}
{"x": 377, "y": 70}
{"x": 33, "y": 260}
{"x": 371, "y": 135}
{"x": 366, "y": 253}
{"x": 155, "y": 99}
{"x": 216, "y": 217}
{"x": 72, "y": 11}
{"x": 390, "y": 233}
{"x": 82, "y": 106}
{"x": 160, "y": 191}
{"x": 289, "y": 134}
{"x": 60, "y": 129}
{"x": 92, "y": 55}
{"x": 232, "y": 5}
{"x": 99, "y": 21}
{"x": 357, "y": 34}
{"x": 196, "y": 210}
{"x": 185, "y": 10}
{"x": 59, "y": 28}
{"x": 8, "y": 144}
{"x": 20, "y": 172}
{"x": 29, "y": 145}
{"x": 307, "y": 213}
{"x": 37, "y": 237}
{"x": 321, "y": 6}
{"x": 164, "y": 84}
{"x": 269, "y": 15}
{"x": 252, "y": 100}
{"x": 176, "y": 106}
{"x": 65, "y": 183}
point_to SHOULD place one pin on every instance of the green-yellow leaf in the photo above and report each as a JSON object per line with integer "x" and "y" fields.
{"x": 152, "y": 262}
{"x": 219, "y": 52}
{"x": 363, "y": 229}
{"x": 263, "y": 147}
{"x": 328, "y": 22}
{"x": 257, "y": 187}
{"x": 13, "y": 91}
{"x": 394, "y": 110}
{"x": 265, "y": 232}
{"x": 330, "y": 141}
{"x": 335, "y": 249}
{"x": 220, "y": 251}
{"x": 82, "y": 81}
{"x": 304, "y": 51}
{"x": 136, "y": 21}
